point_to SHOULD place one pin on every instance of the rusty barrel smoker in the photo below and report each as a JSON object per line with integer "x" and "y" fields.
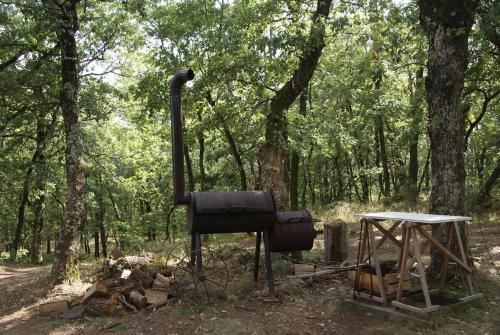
{"x": 233, "y": 212}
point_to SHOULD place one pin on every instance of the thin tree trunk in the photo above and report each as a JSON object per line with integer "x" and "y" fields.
{"x": 295, "y": 160}
{"x": 201, "y": 157}
{"x": 484, "y": 193}
{"x": 447, "y": 60}
{"x": 39, "y": 212}
{"x": 100, "y": 213}
{"x": 65, "y": 17}
{"x": 97, "y": 253}
{"x": 232, "y": 144}
{"x": 379, "y": 124}
{"x": 415, "y": 99}
{"x": 43, "y": 131}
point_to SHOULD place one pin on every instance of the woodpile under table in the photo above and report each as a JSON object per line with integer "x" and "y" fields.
{"x": 376, "y": 282}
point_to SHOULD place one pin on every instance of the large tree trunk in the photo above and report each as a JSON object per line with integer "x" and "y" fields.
{"x": 447, "y": 24}
{"x": 271, "y": 152}
{"x": 66, "y": 262}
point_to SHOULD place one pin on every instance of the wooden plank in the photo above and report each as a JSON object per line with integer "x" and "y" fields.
{"x": 427, "y": 242}
{"x": 362, "y": 245}
{"x": 422, "y": 311}
{"x": 300, "y": 269}
{"x": 53, "y": 308}
{"x": 370, "y": 297}
{"x": 390, "y": 310}
{"x": 472, "y": 297}
{"x": 464, "y": 258}
{"x": 443, "y": 249}
{"x": 387, "y": 234}
{"x": 444, "y": 271}
{"x": 412, "y": 217}
{"x": 389, "y": 284}
{"x": 420, "y": 267}
{"x": 404, "y": 258}
{"x": 371, "y": 236}
{"x": 314, "y": 274}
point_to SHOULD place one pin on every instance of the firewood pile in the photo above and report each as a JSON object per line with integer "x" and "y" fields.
{"x": 125, "y": 283}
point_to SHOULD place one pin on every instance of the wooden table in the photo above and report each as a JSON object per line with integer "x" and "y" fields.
{"x": 412, "y": 225}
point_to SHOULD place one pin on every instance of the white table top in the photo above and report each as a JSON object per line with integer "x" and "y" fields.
{"x": 412, "y": 217}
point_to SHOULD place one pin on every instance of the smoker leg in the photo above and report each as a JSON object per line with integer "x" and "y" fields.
{"x": 269, "y": 266}
{"x": 197, "y": 244}
{"x": 193, "y": 249}
{"x": 257, "y": 257}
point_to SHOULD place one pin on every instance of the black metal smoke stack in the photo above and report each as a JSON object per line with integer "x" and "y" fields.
{"x": 180, "y": 78}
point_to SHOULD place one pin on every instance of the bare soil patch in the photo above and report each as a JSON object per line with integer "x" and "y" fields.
{"x": 304, "y": 307}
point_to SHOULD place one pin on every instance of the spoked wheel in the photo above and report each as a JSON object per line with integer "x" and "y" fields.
{"x": 215, "y": 274}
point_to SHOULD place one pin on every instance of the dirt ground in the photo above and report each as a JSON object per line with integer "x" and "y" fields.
{"x": 302, "y": 307}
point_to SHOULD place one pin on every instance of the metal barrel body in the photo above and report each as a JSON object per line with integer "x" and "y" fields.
{"x": 231, "y": 212}
{"x": 294, "y": 231}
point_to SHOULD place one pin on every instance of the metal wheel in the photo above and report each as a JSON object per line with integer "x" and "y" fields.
{"x": 215, "y": 271}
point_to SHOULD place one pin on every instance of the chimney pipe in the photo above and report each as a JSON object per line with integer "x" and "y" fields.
{"x": 179, "y": 79}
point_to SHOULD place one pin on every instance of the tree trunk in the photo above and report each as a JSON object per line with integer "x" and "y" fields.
{"x": 43, "y": 131}
{"x": 39, "y": 212}
{"x": 379, "y": 124}
{"x": 232, "y": 144}
{"x": 484, "y": 193}
{"x": 415, "y": 116}
{"x": 271, "y": 152}
{"x": 447, "y": 60}
{"x": 295, "y": 160}
{"x": 97, "y": 254}
{"x": 99, "y": 218}
{"x": 201, "y": 157}
{"x": 21, "y": 209}
{"x": 66, "y": 262}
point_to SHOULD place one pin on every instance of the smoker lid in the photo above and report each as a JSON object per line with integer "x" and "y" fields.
{"x": 294, "y": 217}
{"x": 233, "y": 202}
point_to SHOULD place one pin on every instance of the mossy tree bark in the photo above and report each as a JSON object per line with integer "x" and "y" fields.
{"x": 65, "y": 17}
{"x": 448, "y": 25}
{"x": 271, "y": 152}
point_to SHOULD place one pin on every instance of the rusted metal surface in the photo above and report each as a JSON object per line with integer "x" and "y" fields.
{"x": 294, "y": 231}
{"x": 180, "y": 78}
{"x": 231, "y": 212}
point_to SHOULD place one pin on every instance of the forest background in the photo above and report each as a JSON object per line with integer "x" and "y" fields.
{"x": 358, "y": 132}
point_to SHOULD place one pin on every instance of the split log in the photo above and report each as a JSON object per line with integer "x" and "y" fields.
{"x": 156, "y": 298}
{"x": 96, "y": 290}
{"x": 125, "y": 288}
{"x": 53, "y": 308}
{"x": 119, "y": 297}
{"x": 138, "y": 299}
{"x": 102, "y": 306}
{"x": 300, "y": 269}
{"x": 336, "y": 242}
{"x": 74, "y": 312}
{"x": 141, "y": 278}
